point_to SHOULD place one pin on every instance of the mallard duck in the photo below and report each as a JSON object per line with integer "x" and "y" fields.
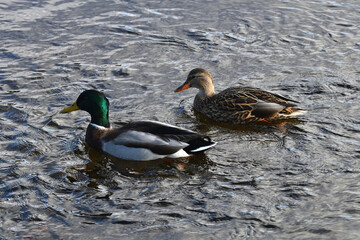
{"x": 141, "y": 140}
{"x": 236, "y": 105}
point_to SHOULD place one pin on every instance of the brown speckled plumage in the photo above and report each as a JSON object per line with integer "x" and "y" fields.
{"x": 235, "y": 105}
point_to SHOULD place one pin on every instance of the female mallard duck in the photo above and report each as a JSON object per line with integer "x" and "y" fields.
{"x": 236, "y": 105}
{"x": 142, "y": 140}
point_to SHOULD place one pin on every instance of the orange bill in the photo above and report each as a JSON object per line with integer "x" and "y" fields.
{"x": 183, "y": 87}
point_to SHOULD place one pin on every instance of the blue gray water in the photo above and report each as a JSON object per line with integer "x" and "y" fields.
{"x": 260, "y": 182}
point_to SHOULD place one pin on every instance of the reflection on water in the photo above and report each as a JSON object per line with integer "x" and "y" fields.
{"x": 294, "y": 180}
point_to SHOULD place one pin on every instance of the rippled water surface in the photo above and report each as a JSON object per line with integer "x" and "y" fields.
{"x": 260, "y": 182}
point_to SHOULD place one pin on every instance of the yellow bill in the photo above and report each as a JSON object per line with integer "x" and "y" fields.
{"x": 71, "y": 108}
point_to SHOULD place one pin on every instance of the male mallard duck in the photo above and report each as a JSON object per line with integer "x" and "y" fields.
{"x": 142, "y": 140}
{"x": 236, "y": 105}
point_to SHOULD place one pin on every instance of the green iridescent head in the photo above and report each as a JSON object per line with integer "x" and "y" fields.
{"x": 95, "y": 103}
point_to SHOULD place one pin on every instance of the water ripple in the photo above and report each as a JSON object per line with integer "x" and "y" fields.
{"x": 258, "y": 182}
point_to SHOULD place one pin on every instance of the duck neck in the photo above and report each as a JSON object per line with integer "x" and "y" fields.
{"x": 206, "y": 91}
{"x": 104, "y": 122}
{"x": 101, "y": 117}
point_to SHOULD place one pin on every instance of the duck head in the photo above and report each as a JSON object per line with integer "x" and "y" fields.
{"x": 201, "y": 79}
{"x": 95, "y": 103}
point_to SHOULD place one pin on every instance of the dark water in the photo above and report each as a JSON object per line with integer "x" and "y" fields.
{"x": 259, "y": 183}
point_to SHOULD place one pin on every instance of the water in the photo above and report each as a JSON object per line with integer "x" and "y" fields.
{"x": 259, "y": 182}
